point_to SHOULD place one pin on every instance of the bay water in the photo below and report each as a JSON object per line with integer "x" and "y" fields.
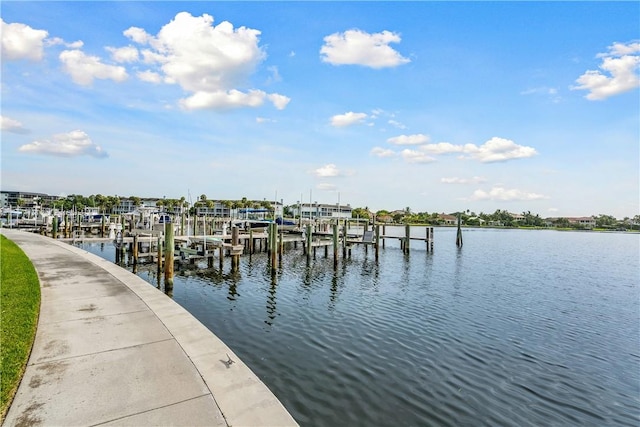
{"x": 516, "y": 328}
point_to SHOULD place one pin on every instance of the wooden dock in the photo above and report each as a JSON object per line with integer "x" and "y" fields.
{"x": 211, "y": 241}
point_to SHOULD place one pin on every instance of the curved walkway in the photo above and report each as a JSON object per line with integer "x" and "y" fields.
{"x": 112, "y": 350}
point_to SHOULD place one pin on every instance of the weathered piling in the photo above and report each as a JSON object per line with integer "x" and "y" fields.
{"x": 169, "y": 249}
{"x": 159, "y": 255}
{"x": 345, "y": 227}
{"x": 377, "y": 237}
{"x": 54, "y": 227}
{"x": 407, "y": 238}
{"x": 135, "y": 249}
{"x": 272, "y": 242}
{"x": 309, "y": 240}
{"x": 235, "y": 241}
{"x": 335, "y": 244}
{"x": 459, "y": 233}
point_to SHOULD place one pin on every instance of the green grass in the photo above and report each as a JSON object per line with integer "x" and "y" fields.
{"x": 19, "y": 309}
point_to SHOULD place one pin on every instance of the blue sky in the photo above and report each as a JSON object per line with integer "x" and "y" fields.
{"x": 436, "y": 106}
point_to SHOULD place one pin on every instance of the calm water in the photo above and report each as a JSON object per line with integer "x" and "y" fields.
{"x": 517, "y": 328}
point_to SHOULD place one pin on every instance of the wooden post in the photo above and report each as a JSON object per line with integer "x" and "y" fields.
{"x": 335, "y": 244}
{"x": 427, "y": 237}
{"x": 54, "y": 227}
{"x": 407, "y": 238}
{"x": 274, "y": 245}
{"x": 102, "y": 225}
{"x": 309, "y": 240}
{"x": 235, "y": 241}
{"x": 377, "y": 239}
{"x": 250, "y": 241}
{"x": 384, "y": 233}
{"x": 169, "y": 250}
{"x": 280, "y": 245}
{"x": 159, "y": 255}
{"x": 344, "y": 238}
{"x": 135, "y": 249}
{"x": 432, "y": 238}
{"x": 459, "y": 233}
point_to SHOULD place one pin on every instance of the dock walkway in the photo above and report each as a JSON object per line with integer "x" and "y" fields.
{"x": 112, "y": 350}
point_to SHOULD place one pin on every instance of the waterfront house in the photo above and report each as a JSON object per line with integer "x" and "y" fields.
{"x": 447, "y": 219}
{"x": 585, "y": 221}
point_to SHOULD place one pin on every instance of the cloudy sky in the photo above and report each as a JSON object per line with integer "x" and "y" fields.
{"x": 436, "y": 106}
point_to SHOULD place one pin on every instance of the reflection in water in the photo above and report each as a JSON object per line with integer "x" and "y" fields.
{"x": 550, "y": 342}
{"x": 334, "y": 289}
{"x": 271, "y": 301}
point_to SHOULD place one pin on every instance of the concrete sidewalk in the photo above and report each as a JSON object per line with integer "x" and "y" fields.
{"x": 111, "y": 349}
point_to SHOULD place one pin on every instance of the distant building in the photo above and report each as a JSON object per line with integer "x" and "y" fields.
{"x": 25, "y": 199}
{"x": 219, "y": 209}
{"x": 585, "y": 221}
{"x": 448, "y": 219}
{"x": 321, "y": 211}
{"x": 517, "y": 217}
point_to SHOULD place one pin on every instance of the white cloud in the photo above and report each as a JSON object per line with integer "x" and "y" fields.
{"x": 494, "y": 150}
{"x": 8, "y": 124}
{"x": 356, "y": 47}
{"x": 123, "y": 54}
{"x": 397, "y": 124}
{"x": 382, "y": 152}
{"x": 275, "y": 74}
{"x": 620, "y": 49}
{"x": 326, "y": 187}
{"x": 75, "y": 45}
{"x": 618, "y": 72}
{"x": 413, "y": 156}
{"x": 279, "y": 101}
{"x": 326, "y": 171}
{"x": 442, "y": 148}
{"x": 416, "y": 139}
{"x": 456, "y": 180}
{"x": 20, "y": 41}
{"x": 138, "y": 35}
{"x": 149, "y": 76}
{"x": 210, "y": 61}
{"x": 347, "y": 119}
{"x": 71, "y": 144}
{"x": 505, "y": 195}
{"x": 231, "y": 99}
{"x": 264, "y": 120}
{"x": 55, "y": 41}
{"x": 498, "y": 150}
{"x": 83, "y": 68}
{"x": 550, "y": 92}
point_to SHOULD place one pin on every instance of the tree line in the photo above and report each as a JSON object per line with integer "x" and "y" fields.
{"x": 107, "y": 204}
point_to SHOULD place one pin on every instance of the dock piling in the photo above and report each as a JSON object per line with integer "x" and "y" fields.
{"x": 169, "y": 250}
{"x": 459, "y": 233}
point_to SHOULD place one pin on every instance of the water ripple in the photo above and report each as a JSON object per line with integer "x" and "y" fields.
{"x": 516, "y": 329}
